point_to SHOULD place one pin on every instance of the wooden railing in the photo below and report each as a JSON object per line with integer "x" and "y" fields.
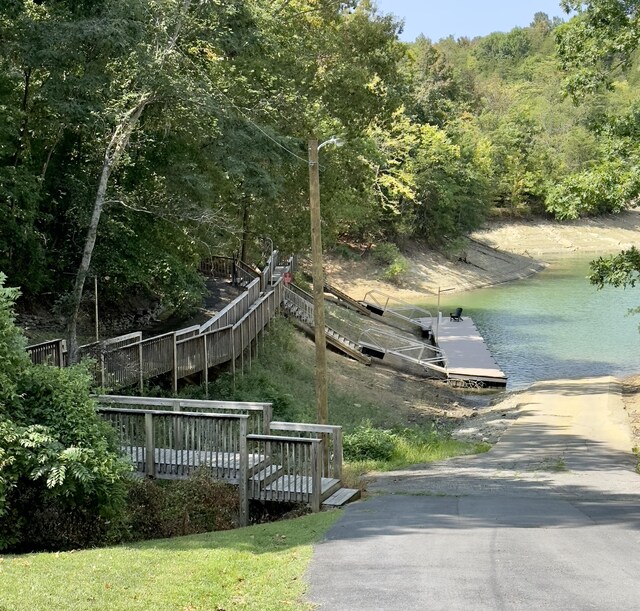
{"x": 303, "y": 466}
{"x": 235, "y": 310}
{"x": 268, "y": 271}
{"x": 48, "y": 353}
{"x": 331, "y": 437}
{"x": 301, "y": 300}
{"x": 259, "y": 414}
{"x": 164, "y": 445}
{"x": 129, "y": 360}
{"x": 300, "y": 480}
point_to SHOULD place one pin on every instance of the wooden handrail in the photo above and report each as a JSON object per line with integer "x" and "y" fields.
{"x": 170, "y": 445}
{"x": 332, "y": 454}
{"x": 260, "y": 414}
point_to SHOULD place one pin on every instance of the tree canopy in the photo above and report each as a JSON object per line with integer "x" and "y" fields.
{"x": 162, "y": 131}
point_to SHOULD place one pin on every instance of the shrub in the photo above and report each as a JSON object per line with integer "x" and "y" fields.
{"x": 604, "y": 189}
{"x": 396, "y": 265}
{"x": 385, "y": 253}
{"x": 59, "y": 463}
{"x": 159, "y": 509}
{"x": 396, "y": 270}
{"x": 369, "y": 443}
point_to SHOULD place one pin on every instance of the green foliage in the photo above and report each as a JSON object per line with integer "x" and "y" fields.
{"x": 621, "y": 270}
{"x": 369, "y": 443}
{"x": 59, "y": 463}
{"x": 595, "y": 44}
{"x": 385, "y": 253}
{"x": 605, "y": 189}
{"x": 13, "y": 357}
{"x": 502, "y": 49}
{"x": 389, "y": 255}
{"x": 157, "y": 509}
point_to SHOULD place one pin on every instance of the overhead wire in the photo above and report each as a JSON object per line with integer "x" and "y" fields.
{"x": 262, "y": 131}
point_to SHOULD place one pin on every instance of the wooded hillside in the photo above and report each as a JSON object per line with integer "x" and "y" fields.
{"x": 178, "y": 128}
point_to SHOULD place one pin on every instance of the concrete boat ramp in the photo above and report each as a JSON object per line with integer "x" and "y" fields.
{"x": 468, "y": 358}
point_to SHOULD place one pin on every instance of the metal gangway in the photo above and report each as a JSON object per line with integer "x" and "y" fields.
{"x": 381, "y": 303}
{"x": 377, "y": 343}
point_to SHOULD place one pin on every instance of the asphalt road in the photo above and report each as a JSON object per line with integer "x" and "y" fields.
{"x": 549, "y": 519}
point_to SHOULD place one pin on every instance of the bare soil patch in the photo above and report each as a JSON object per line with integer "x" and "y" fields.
{"x": 500, "y": 252}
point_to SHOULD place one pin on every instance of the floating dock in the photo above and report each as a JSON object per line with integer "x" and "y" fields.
{"x": 468, "y": 358}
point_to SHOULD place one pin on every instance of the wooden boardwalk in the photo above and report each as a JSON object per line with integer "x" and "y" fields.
{"x": 468, "y": 358}
{"x": 292, "y": 463}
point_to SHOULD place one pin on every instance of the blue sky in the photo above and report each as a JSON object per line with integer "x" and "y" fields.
{"x": 440, "y": 18}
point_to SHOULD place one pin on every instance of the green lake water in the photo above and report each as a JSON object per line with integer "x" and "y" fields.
{"x": 555, "y": 325}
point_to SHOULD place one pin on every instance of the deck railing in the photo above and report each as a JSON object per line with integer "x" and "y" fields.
{"x": 296, "y": 475}
{"x": 166, "y": 445}
{"x": 259, "y": 414}
{"x": 268, "y": 271}
{"x": 299, "y": 299}
{"x": 48, "y": 353}
{"x": 129, "y": 360}
{"x": 329, "y": 435}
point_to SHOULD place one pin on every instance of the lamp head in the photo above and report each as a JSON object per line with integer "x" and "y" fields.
{"x": 335, "y": 140}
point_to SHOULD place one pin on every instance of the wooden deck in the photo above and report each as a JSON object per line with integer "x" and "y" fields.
{"x": 290, "y": 462}
{"x": 468, "y": 358}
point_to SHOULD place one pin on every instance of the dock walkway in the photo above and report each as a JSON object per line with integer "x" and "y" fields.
{"x": 468, "y": 358}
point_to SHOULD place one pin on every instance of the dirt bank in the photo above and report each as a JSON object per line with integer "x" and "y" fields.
{"x": 499, "y": 253}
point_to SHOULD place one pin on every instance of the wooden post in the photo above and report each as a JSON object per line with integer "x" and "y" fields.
{"x": 175, "y": 365}
{"x": 241, "y": 348}
{"x": 337, "y": 453}
{"x": 243, "y": 474}
{"x": 205, "y": 356}
{"x": 249, "y": 335}
{"x": 322, "y": 406}
{"x": 59, "y": 354}
{"x": 140, "y": 365}
{"x": 178, "y": 431}
{"x": 233, "y": 356}
{"x": 316, "y": 475}
{"x": 103, "y": 382}
{"x": 150, "y": 446}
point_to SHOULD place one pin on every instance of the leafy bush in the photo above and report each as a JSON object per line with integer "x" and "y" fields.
{"x": 385, "y": 253}
{"x": 369, "y": 443}
{"x": 604, "y": 189}
{"x": 396, "y": 265}
{"x": 158, "y": 509}
{"x": 396, "y": 270}
{"x": 58, "y": 460}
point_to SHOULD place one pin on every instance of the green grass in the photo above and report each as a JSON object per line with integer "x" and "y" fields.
{"x": 409, "y": 452}
{"x": 259, "y": 567}
{"x": 284, "y": 373}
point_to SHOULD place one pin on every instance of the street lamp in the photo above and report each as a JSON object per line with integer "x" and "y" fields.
{"x": 318, "y": 279}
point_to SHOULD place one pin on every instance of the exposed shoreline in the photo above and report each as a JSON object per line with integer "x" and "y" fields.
{"x": 502, "y": 252}
{"x": 499, "y": 253}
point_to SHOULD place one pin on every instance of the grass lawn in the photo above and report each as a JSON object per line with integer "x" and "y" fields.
{"x": 259, "y": 567}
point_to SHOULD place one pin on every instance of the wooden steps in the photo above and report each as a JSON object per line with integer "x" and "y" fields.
{"x": 335, "y": 339}
{"x": 341, "y": 497}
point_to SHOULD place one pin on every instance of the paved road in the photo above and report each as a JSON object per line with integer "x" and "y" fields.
{"x": 549, "y": 519}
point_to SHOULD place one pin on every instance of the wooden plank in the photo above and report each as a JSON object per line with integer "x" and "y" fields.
{"x": 341, "y": 497}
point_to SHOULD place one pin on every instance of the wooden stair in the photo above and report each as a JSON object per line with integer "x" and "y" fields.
{"x": 337, "y": 340}
{"x": 341, "y": 497}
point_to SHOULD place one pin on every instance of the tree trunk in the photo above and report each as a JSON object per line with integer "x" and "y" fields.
{"x": 244, "y": 248}
{"x": 116, "y": 147}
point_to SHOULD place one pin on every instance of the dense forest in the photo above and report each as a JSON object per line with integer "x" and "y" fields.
{"x": 138, "y": 136}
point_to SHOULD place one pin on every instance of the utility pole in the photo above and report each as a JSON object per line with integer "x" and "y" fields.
{"x": 318, "y": 285}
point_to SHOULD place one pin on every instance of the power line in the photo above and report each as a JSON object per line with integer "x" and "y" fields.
{"x": 262, "y": 131}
